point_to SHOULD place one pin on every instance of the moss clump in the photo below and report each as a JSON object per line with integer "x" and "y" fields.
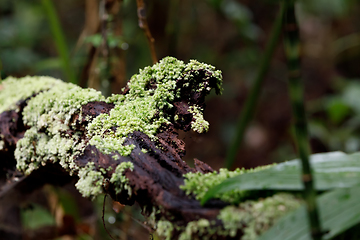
{"x": 200, "y": 125}
{"x": 255, "y": 217}
{"x": 49, "y": 114}
{"x": 119, "y": 179}
{"x": 198, "y": 183}
{"x": 164, "y": 229}
{"x": 201, "y": 229}
{"x": 251, "y": 218}
{"x": 146, "y": 105}
{"x": 14, "y": 89}
{"x": 90, "y": 182}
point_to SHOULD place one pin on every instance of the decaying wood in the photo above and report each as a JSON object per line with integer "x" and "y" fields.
{"x": 156, "y": 176}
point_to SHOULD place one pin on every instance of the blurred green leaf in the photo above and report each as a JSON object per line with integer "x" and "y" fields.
{"x": 351, "y": 96}
{"x": 331, "y": 170}
{"x": 36, "y": 216}
{"x": 95, "y": 39}
{"x": 339, "y": 210}
{"x": 337, "y": 110}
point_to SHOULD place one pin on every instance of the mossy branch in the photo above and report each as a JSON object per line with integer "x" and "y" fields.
{"x": 126, "y": 146}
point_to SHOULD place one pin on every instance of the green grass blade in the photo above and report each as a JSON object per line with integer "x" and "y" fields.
{"x": 339, "y": 210}
{"x": 251, "y": 101}
{"x": 59, "y": 40}
{"x": 331, "y": 170}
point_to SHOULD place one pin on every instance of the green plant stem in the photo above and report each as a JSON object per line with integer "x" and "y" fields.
{"x": 251, "y": 102}
{"x": 296, "y": 91}
{"x": 59, "y": 39}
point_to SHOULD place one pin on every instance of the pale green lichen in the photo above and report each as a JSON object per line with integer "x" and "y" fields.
{"x": 119, "y": 179}
{"x": 200, "y": 125}
{"x": 51, "y": 110}
{"x": 90, "y": 182}
{"x": 251, "y": 218}
{"x": 164, "y": 229}
{"x": 201, "y": 229}
{"x": 14, "y": 89}
{"x": 255, "y": 217}
{"x": 198, "y": 183}
{"x": 144, "y": 108}
{"x": 147, "y": 105}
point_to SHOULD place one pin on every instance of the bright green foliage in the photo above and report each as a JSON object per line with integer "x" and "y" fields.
{"x": 119, "y": 180}
{"x": 331, "y": 170}
{"x": 199, "y": 183}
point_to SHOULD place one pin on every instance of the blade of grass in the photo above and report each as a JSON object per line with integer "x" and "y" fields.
{"x": 250, "y": 104}
{"x": 59, "y": 39}
{"x": 296, "y": 92}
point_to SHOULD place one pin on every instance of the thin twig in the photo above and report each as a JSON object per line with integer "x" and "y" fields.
{"x": 102, "y": 217}
{"x": 296, "y": 92}
{"x": 251, "y": 102}
{"x": 141, "y": 12}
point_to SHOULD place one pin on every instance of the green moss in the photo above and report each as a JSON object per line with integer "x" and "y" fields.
{"x": 250, "y": 217}
{"x": 144, "y": 108}
{"x": 90, "y": 182}
{"x": 14, "y": 89}
{"x": 200, "y": 125}
{"x": 198, "y": 183}
{"x": 119, "y": 179}
{"x": 201, "y": 229}
{"x": 164, "y": 229}
{"x": 255, "y": 217}
{"x": 49, "y": 114}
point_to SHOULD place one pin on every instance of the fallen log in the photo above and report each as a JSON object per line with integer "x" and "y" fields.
{"x": 126, "y": 146}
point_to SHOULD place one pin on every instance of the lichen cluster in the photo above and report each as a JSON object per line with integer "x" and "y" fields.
{"x": 48, "y": 115}
{"x": 251, "y": 217}
{"x": 148, "y": 103}
{"x": 198, "y": 184}
{"x": 16, "y": 90}
{"x": 52, "y": 135}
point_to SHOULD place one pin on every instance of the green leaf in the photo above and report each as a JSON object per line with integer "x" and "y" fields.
{"x": 36, "y": 217}
{"x": 339, "y": 210}
{"x": 331, "y": 170}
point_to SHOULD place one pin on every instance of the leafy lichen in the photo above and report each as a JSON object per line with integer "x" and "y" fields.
{"x": 255, "y": 217}
{"x": 14, "y": 90}
{"x": 119, "y": 179}
{"x": 251, "y": 218}
{"x": 164, "y": 229}
{"x": 200, "y": 125}
{"x": 48, "y": 114}
{"x": 146, "y": 105}
{"x": 90, "y": 182}
{"x": 199, "y": 183}
{"x": 52, "y": 135}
